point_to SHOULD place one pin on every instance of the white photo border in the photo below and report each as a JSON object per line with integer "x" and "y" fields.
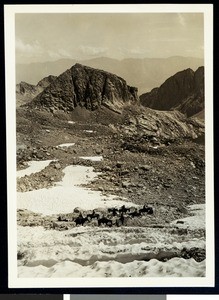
{"x": 9, "y": 21}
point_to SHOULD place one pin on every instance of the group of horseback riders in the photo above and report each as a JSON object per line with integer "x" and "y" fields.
{"x": 114, "y": 216}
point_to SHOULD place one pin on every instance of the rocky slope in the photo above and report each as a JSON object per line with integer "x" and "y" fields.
{"x": 85, "y": 87}
{"x": 25, "y": 92}
{"x": 65, "y": 112}
{"x": 139, "y": 162}
{"x": 183, "y": 91}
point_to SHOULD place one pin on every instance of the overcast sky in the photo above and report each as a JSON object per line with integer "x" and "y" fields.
{"x": 44, "y": 37}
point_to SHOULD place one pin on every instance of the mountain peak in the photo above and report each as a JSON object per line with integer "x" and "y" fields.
{"x": 183, "y": 91}
{"x": 87, "y": 87}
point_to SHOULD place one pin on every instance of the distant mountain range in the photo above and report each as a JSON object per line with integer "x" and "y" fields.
{"x": 83, "y": 86}
{"x": 183, "y": 91}
{"x": 145, "y": 73}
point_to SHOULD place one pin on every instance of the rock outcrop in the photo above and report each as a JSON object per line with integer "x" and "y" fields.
{"x": 184, "y": 92}
{"x": 85, "y": 87}
{"x": 46, "y": 81}
{"x": 25, "y": 92}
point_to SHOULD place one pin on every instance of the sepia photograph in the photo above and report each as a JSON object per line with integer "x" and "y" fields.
{"x": 109, "y": 145}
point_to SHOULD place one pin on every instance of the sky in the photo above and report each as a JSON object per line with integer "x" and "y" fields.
{"x": 44, "y": 37}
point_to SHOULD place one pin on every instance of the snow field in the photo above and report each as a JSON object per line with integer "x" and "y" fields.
{"x": 67, "y": 195}
{"x": 175, "y": 267}
{"x": 94, "y": 251}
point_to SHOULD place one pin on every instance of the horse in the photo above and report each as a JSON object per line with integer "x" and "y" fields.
{"x": 105, "y": 221}
{"x": 135, "y": 213}
{"x": 93, "y": 215}
{"x": 113, "y": 211}
{"x": 123, "y": 209}
{"x": 148, "y": 210}
{"x": 80, "y": 220}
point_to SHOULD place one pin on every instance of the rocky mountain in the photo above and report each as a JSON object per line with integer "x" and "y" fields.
{"x": 25, "y": 92}
{"x": 183, "y": 91}
{"x": 46, "y": 81}
{"x": 145, "y": 73}
{"x": 85, "y": 87}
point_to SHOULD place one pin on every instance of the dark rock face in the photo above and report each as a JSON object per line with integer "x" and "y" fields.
{"x": 85, "y": 87}
{"x": 184, "y": 91}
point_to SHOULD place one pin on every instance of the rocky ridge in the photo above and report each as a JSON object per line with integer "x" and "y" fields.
{"x": 183, "y": 91}
{"x": 25, "y": 92}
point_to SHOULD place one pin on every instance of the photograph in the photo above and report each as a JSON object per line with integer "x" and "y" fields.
{"x": 109, "y": 119}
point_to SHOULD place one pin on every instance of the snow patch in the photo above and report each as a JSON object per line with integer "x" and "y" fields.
{"x": 65, "y": 145}
{"x": 34, "y": 167}
{"x": 196, "y": 221}
{"x": 67, "y": 195}
{"x": 92, "y": 158}
{"x": 88, "y": 131}
{"x": 71, "y": 122}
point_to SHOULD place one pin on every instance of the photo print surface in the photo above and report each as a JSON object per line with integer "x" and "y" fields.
{"x": 112, "y": 164}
